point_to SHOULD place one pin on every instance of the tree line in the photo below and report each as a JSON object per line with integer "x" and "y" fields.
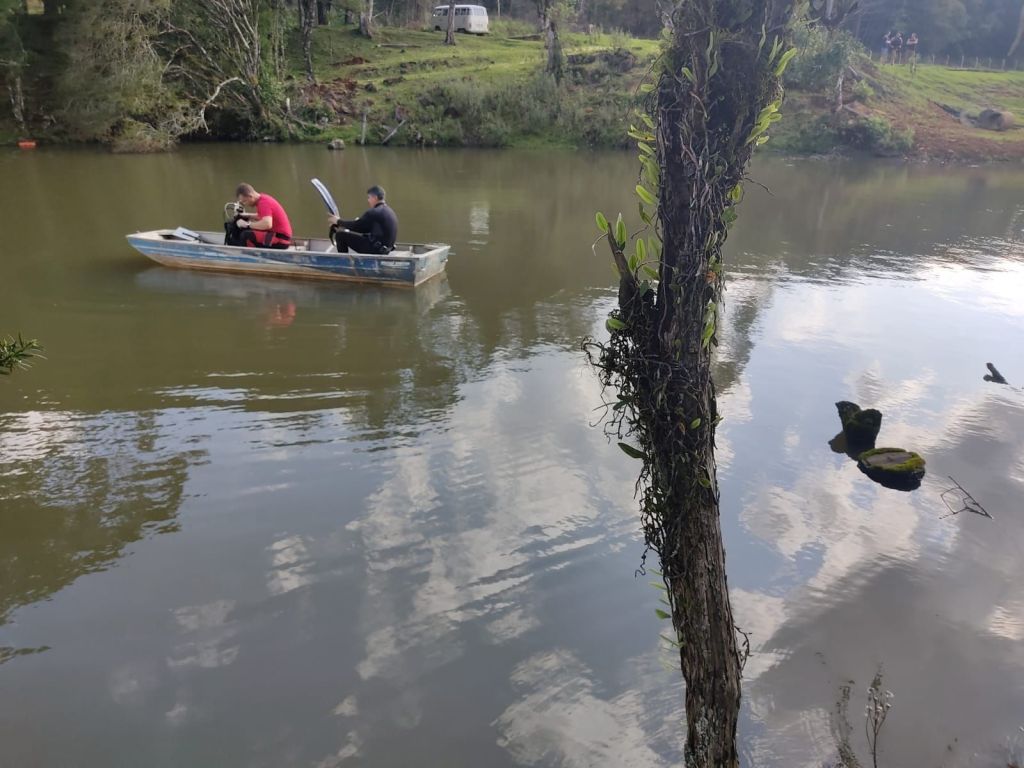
{"x": 145, "y": 73}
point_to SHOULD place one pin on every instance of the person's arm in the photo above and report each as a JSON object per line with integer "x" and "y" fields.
{"x": 267, "y": 222}
{"x": 362, "y": 225}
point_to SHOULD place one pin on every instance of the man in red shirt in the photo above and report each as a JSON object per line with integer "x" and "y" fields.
{"x": 269, "y": 226}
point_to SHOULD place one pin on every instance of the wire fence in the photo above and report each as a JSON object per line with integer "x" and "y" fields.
{"x": 972, "y": 63}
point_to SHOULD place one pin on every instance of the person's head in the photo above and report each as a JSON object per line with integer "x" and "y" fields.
{"x": 375, "y": 195}
{"x": 246, "y": 194}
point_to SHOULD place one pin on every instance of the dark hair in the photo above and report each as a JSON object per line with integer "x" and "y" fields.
{"x": 376, "y": 191}
{"x": 245, "y": 189}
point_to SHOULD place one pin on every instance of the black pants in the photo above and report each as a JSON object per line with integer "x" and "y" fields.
{"x": 346, "y": 241}
{"x": 258, "y": 239}
{"x": 249, "y": 238}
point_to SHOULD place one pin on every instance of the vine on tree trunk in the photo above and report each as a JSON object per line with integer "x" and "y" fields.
{"x": 716, "y": 95}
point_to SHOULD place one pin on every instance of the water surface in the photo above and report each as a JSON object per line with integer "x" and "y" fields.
{"x": 250, "y": 522}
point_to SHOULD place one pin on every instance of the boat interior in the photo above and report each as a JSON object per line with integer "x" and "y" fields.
{"x": 314, "y": 244}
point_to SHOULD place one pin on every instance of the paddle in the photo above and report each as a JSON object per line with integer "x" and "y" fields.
{"x": 325, "y": 195}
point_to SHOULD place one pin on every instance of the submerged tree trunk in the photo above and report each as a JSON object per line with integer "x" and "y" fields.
{"x": 717, "y": 92}
{"x": 449, "y": 35}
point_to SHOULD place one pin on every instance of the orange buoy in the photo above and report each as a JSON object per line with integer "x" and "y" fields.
{"x": 26, "y": 144}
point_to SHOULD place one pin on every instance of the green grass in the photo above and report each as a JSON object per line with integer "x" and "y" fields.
{"x": 963, "y": 89}
{"x": 399, "y": 67}
{"x": 908, "y": 103}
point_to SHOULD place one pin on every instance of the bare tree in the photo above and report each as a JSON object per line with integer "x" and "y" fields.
{"x": 366, "y": 19}
{"x": 550, "y": 13}
{"x": 449, "y": 35}
{"x": 216, "y": 44}
{"x": 832, "y": 14}
{"x": 718, "y": 91}
{"x": 307, "y": 20}
{"x": 1020, "y": 34}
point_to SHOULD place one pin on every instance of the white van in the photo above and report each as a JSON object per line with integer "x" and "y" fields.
{"x": 468, "y": 18}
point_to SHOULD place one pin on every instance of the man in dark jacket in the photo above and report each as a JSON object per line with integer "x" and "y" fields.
{"x": 373, "y": 232}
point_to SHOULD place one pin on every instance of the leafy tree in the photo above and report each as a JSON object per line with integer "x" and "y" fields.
{"x": 115, "y": 87}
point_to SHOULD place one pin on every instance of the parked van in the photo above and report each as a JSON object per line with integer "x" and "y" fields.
{"x": 468, "y": 18}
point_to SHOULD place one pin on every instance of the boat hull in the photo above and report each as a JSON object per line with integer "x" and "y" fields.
{"x": 407, "y": 266}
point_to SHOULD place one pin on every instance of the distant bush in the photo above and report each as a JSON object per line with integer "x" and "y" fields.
{"x": 132, "y": 136}
{"x": 862, "y": 92}
{"x": 471, "y": 113}
{"x": 511, "y": 28}
{"x": 820, "y": 59}
{"x": 876, "y": 134}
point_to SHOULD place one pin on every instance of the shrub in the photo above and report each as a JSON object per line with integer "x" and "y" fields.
{"x": 820, "y": 58}
{"x": 876, "y": 134}
{"x": 862, "y": 92}
{"x": 511, "y": 28}
{"x": 484, "y": 115}
{"x": 133, "y": 136}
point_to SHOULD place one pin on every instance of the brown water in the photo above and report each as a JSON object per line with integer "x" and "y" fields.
{"x": 261, "y": 523}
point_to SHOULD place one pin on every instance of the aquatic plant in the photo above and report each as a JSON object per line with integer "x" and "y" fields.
{"x": 16, "y": 353}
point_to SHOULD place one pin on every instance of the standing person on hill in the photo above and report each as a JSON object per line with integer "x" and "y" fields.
{"x": 912, "y": 47}
{"x": 373, "y": 232}
{"x": 269, "y": 227}
{"x": 897, "y": 48}
{"x": 886, "y": 47}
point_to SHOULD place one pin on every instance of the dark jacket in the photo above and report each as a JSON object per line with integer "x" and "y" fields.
{"x": 379, "y": 224}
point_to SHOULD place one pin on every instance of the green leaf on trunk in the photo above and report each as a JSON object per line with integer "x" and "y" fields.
{"x": 784, "y": 61}
{"x": 645, "y": 195}
{"x": 632, "y": 452}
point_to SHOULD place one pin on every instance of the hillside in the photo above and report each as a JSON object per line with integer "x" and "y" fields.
{"x": 484, "y": 91}
{"x": 490, "y": 92}
{"x": 898, "y": 112}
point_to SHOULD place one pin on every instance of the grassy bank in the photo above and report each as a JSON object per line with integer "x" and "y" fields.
{"x": 484, "y": 91}
{"x": 894, "y": 111}
{"x": 491, "y": 92}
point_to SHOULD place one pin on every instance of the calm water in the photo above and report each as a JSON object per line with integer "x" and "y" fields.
{"x": 260, "y": 523}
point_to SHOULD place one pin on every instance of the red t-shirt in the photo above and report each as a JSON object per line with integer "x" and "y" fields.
{"x": 268, "y": 206}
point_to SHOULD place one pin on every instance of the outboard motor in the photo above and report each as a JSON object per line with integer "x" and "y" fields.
{"x": 232, "y": 213}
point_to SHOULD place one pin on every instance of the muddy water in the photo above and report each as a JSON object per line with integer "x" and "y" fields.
{"x": 247, "y": 522}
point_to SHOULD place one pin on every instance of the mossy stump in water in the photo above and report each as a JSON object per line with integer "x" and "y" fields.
{"x": 861, "y": 427}
{"x": 893, "y": 467}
